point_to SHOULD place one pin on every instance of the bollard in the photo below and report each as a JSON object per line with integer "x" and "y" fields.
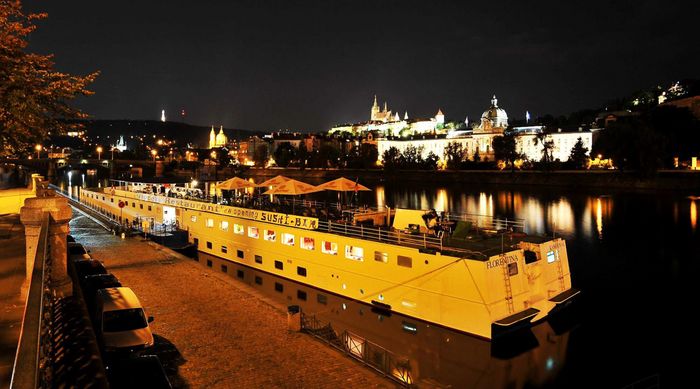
{"x": 294, "y": 318}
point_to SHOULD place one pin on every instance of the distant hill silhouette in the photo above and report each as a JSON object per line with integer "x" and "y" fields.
{"x": 183, "y": 133}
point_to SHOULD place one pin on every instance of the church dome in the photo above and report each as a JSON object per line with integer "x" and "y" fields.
{"x": 497, "y": 116}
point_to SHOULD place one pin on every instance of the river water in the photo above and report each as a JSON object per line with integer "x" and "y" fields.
{"x": 633, "y": 255}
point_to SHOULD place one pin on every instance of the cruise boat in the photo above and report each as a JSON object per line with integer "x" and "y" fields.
{"x": 476, "y": 274}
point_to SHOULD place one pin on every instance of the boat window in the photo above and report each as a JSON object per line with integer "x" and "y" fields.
{"x": 301, "y": 295}
{"x": 238, "y": 229}
{"x": 193, "y": 218}
{"x": 270, "y": 235}
{"x": 279, "y": 287}
{"x": 329, "y": 248}
{"x": 307, "y": 243}
{"x": 209, "y": 245}
{"x": 354, "y": 252}
{"x": 530, "y": 256}
{"x": 258, "y": 259}
{"x": 210, "y": 223}
{"x": 279, "y": 265}
{"x": 258, "y": 280}
{"x": 288, "y": 239}
{"x": 322, "y": 299}
{"x": 224, "y": 249}
{"x": 381, "y": 257}
{"x": 149, "y": 207}
{"x": 301, "y": 271}
{"x": 551, "y": 257}
{"x": 404, "y": 261}
{"x": 223, "y": 225}
{"x": 253, "y": 232}
{"x": 240, "y": 254}
{"x": 512, "y": 269}
{"x": 240, "y": 274}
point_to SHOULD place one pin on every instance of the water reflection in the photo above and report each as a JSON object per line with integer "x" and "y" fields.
{"x": 693, "y": 215}
{"x": 438, "y": 357}
{"x": 565, "y": 216}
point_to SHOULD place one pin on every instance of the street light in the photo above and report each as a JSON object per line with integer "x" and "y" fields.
{"x": 154, "y": 152}
{"x": 38, "y": 150}
{"x": 99, "y": 152}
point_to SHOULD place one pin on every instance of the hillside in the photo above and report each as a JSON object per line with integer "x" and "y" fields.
{"x": 183, "y": 133}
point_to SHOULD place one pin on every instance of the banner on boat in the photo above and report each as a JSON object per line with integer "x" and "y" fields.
{"x": 308, "y": 223}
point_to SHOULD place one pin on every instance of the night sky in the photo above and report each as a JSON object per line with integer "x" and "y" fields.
{"x": 267, "y": 65}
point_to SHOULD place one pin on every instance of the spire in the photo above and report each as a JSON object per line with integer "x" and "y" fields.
{"x": 221, "y": 130}
{"x": 396, "y": 117}
{"x": 385, "y": 108}
{"x": 375, "y": 102}
{"x": 212, "y": 133}
{"x": 466, "y": 121}
{"x": 494, "y": 101}
{"x": 439, "y": 112}
{"x": 162, "y": 115}
{"x": 405, "y": 116}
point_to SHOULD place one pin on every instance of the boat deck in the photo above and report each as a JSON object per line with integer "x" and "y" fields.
{"x": 475, "y": 237}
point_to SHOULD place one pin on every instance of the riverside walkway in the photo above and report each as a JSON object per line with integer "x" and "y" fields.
{"x": 212, "y": 332}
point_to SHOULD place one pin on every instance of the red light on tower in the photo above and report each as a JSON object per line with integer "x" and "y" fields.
{"x": 183, "y": 113}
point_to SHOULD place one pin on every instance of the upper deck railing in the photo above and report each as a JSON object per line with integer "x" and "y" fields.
{"x": 341, "y": 220}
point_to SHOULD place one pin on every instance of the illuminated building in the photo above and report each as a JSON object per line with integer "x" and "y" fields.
{"x": 389, "y": 124}
{"x": 217, "y": 140}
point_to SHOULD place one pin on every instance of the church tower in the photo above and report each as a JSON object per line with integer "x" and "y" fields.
{"x": 374, "y": 113}
{"x": 212, "y": 138}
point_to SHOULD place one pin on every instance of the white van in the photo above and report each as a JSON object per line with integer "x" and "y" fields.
{"x": 121, "y": 323}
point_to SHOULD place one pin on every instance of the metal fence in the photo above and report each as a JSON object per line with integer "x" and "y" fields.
{"x": 369, "y": 354}
{"x": 32, "y": 366}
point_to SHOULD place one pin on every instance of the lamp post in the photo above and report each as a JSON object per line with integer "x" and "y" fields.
{"x": 38, "y": 150}
{"x": 99, "y": 152}
{"x": 154, "y": 152}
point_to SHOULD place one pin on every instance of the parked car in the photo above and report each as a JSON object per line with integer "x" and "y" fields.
{"x": 88, "y": 267}
{"x": 145, "y": 371}
{"x": 76, "y": 252}
{"x": 121, "y": 323}
{"x": 93, "y": 283}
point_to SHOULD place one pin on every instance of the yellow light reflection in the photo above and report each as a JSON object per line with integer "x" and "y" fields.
{"x": 379, "y": 192}
{"x": 441, "y": 201}
{"x": 693, "y": 215}
{"x": 561, "y": 217}
{"x": 599, "y": 218}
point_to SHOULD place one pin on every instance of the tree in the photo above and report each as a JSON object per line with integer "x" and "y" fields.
{"x": 505, "y": 150}
{"x": 392, "y": 158}
{"x": 477, "y": 156}
{"x": 284, "y": 154}
{"x": 454, "y": 155}
{"x": 431, "y": 161}
{"x": 33, "y": 95}
{"x": 412, "y": 157}
{"x": 578, "y": 157}
{"x": 260, "y": 155}
{"x": 327, "y": 155}
{"x": 547, "y": 147}
{"x": 302, "y": 155}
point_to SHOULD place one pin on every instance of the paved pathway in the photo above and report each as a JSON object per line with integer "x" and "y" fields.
{"x": 12, "y": 271}
{"x": 212, "y": 332}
